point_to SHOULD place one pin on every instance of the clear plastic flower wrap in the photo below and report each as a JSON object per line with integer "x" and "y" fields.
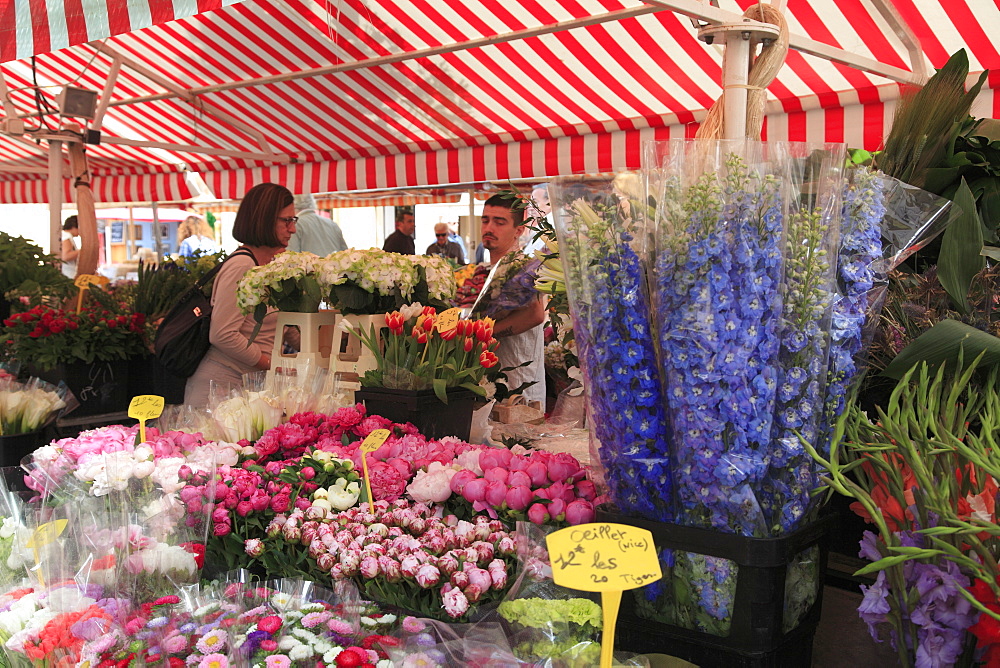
{"x": 241, "y": 413}
{"x": 14, "y": 555}
{"x": 29, "y": 406}
{"x": 601, "y": 227}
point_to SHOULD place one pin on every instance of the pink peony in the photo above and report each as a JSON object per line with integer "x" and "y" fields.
{"x": 538, "y": 473}
{"x": 475, "y": 490}
{"x": 494, "y": 457}
{"x": 455, "y": 603}
{"x": 254, "y": 547}
{"x": 369, "y": 567}
{"x": 473, "y": 592}
{"x": 564, "y": 467}
{"x": 538, "y": 514}
{"x": 480, "y": 577}
{"x": 580, "y": 512}
{"x": 460, "y": 479}
{"x": 496, "y": 493}
{"x": 497, "y": 473}
{"x": 518, "y": 498}
{"x": 387, "y": 483}
{"x": 428, "y": 576}
{"x": 432, "y": 485}
{"x": 585, "y": 489}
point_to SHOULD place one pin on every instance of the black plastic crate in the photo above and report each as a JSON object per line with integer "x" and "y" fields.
{"x": 422, "y": 409}
{"x": 756, "y": 637}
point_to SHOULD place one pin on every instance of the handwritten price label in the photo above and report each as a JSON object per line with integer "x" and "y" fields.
{"x": 448, "y": 320}
{"x": 374, "y": 440}
{"x": 46, "y": 533}
{"x": 145, "y": 407}
{"x": 603, "y": 557}
{"x": 84, "y": 281}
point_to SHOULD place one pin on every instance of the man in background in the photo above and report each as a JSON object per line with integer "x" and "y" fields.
{"x": 313, "y": 232}
{"x": 444, "y": 247}
{"x": 401, "y": 241}
{"x": 455, "y": 237}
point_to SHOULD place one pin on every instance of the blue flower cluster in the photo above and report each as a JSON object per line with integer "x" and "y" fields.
{"x": 612, "y": 329}
{"x": 806, "y": 295}
{"x": 859, "y": 274}
{"x": 718, "y": 304}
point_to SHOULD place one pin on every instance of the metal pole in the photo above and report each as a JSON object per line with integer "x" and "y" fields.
{"x": 156, "y": 234}
{"x": 734, "y": 80}
{"x": 55, "y": 197}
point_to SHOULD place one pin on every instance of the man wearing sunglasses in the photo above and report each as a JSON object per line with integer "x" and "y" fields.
{"x": 445, "y": 248}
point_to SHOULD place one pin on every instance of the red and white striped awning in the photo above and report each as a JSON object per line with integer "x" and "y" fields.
{"x": 30, "y": 27}
{"x": 358, "y": 95}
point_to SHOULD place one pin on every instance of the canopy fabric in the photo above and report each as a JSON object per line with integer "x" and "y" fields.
{"x": 358, "y": 95}
{"x": 30, "y": 27}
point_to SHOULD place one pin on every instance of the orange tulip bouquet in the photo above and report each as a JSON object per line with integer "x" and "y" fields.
{"x": 415, "y": 353}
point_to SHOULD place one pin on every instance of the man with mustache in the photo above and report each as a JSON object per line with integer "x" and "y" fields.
{"x": 511, "y": 298}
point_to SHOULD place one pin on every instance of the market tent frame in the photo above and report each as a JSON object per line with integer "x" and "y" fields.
{"x": 361, "y": 96}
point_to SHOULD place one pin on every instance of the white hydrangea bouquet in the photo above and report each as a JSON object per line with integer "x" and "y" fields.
{"x": 372, "y": 281}
{"x": 289, "y": 282}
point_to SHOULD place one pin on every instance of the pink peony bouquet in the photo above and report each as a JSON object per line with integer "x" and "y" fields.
{"x": 404, "y": 555}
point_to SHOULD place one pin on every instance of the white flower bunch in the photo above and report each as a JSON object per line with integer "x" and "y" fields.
{"x": 440, "y": 276}
{"x": 372, "y": 270}
{"x": 247, "y": 415}
{"x": 25, "y": 407}
{"x": 259, "y": 283}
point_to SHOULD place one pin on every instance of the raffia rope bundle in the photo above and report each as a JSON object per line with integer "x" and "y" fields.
{"x": 763, "y": 70}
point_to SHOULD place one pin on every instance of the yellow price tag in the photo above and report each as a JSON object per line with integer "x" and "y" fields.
{"x": 84, "y": 281}
{"x": 372, "y": 442}
{"x": 604, "y": 557}
{"x": 448, "y": 320}
{"x": 145, "y": 407}
{"x": 45, "y": 534}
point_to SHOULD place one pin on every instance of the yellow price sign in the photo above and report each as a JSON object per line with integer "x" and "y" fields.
{"x": 145, "y": 407}
{"x": 372, "y": 442}
{"x": 84, "y": 281}
{"x": 604, "y": 557}
{"x": 448, "y": 320}
{"x": 45, "y": 534}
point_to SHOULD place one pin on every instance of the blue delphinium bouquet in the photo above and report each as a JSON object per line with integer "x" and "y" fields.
{"x": 600, "y": 227}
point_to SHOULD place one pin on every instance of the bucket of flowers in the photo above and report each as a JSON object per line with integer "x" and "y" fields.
{"x": 424, "y": 364}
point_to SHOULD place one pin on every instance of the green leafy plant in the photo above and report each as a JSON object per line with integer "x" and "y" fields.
{"x": 25, "y": 271}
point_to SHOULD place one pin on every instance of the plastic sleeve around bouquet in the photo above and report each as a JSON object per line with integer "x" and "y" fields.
{"x": 27, "y": 407}
{"x": 15, "y": 557}
{"x": 745, "y": 232}
{"x": 602, "y": 239}
{"x": 295, "y": 620}
{"x": 241, "y": 413}
{"x": 883, "y": 222}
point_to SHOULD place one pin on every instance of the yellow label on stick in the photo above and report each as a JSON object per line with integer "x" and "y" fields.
{"x": 145, "y": 407}
{"x": 84, "y": 281}
{"x": 448, "y": 320}
{"x": 46, "y": 533}
{"x": 604, "y": 557}
{"x": 374, "y": 440}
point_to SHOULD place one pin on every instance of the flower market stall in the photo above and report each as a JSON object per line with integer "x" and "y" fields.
{"x": 340, "y": 509}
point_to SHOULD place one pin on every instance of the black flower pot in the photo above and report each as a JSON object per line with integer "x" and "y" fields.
{"x": 422, "y": 409}
{"x": 100, "y": 387}
{"x": 15, "y": 447}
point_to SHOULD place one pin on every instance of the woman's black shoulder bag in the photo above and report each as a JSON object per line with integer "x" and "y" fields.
{"x": 182, "y": 337}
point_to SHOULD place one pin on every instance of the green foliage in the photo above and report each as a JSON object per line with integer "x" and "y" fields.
{"x": 25, "y": 271}
{"x": 960, "y": 258}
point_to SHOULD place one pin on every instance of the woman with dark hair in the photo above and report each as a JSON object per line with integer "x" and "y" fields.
{"x": 264, "y": 223}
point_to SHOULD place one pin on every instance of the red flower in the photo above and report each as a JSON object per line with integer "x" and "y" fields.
{"x": 395, "y": 321}
{"x": 198, "y": 550}
{"x": 269, "y": 624}
{"x": 488, "y": 359}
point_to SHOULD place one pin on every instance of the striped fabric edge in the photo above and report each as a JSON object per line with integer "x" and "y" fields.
{"x": 125, "y": 188}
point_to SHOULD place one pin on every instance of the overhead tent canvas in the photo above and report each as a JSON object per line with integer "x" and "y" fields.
{"x": 351, "y": 95}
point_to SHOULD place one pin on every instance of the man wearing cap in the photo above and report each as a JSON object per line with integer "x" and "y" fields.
{"x": 313, "y": 232}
